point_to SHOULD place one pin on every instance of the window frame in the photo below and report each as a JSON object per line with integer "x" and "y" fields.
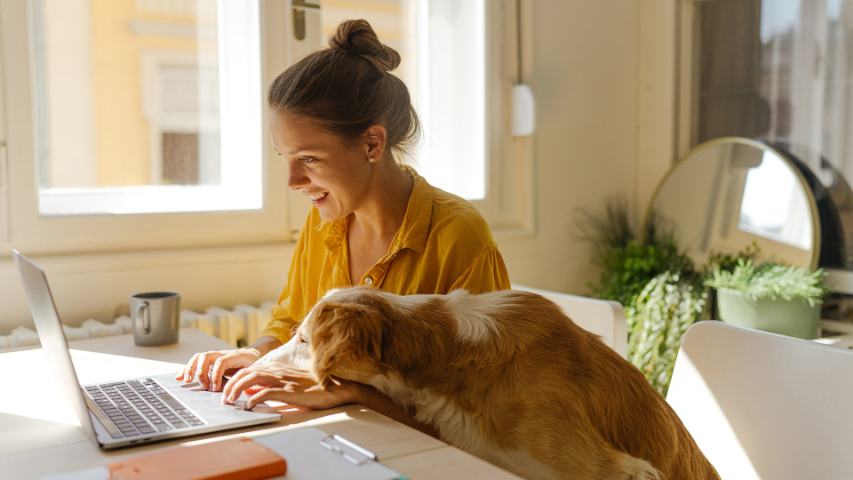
{"x": 36, "y": 233}
{"x": 508, "y": 205}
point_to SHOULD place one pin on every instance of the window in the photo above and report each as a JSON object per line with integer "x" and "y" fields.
{"x": 779, "y": 70}
{"x": 451, "y": 82}
{"x": 139, "y": 123}
{"x": 147, "y": 106}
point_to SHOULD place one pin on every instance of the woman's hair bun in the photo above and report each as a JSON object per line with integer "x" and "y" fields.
{"x": 358, "y": 37}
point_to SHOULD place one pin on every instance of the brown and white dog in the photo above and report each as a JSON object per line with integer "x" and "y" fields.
{"x": 504, "y": 375}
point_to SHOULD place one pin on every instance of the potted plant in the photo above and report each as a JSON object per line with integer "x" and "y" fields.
{"x": 771, "y": 297}
{"x": 658, "y": 285}
{"x": 658, "y": 318}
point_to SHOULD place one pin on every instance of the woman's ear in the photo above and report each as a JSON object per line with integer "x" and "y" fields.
{"x": 345, "y": 337}
{"x": 376, "y": 140}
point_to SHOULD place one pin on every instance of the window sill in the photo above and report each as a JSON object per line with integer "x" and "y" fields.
{"x": 96, "y": 285}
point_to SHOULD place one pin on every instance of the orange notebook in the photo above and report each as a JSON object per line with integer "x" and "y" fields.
{"x": 238, "y": 458}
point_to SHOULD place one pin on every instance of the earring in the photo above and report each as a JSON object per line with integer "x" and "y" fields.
{"x": 371, "y": 160}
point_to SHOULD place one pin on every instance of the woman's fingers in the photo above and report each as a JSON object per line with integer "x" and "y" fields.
{"x": 264, "y": 395}
{"x": 210, "y": 367}
{"x": 253, "y": 390}
{"x": 230, "y": 360}
{"x": 237, "y": 383}
{"x": 187, "y": 374}
{"x": 202, "y": 370}
{"x": 229, "y": 385}
{"x": 221, "y": 365}
{"x": 183, "y": 373}
{"x": 275, "y": 381}
{"x": 235, "y": 388}
{"x": 302, "y": 395}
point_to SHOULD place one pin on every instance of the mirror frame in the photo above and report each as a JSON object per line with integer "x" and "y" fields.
{"x": 810, "y": 198}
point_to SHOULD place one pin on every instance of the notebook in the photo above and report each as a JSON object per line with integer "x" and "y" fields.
{"x": 233, "y": 459}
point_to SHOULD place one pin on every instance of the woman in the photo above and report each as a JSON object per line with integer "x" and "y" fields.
{"x": 338, "y": 120}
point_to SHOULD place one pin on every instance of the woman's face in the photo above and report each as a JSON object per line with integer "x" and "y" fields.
{"x": 334, "y": 174}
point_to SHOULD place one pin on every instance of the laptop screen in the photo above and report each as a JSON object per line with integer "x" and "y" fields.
{"x": 54, "y": 345}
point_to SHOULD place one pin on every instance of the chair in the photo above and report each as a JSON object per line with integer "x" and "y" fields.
{"x": 604, "y": 318}
{"x": 762, "y": 405}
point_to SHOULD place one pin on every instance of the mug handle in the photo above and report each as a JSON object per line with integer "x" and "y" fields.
{"x": 142, "y": 309}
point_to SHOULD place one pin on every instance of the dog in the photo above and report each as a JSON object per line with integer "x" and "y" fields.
{"x": 506, "y": 376}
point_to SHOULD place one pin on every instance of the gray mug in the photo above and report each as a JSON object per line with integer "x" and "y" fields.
{"x": 156, "y": 318}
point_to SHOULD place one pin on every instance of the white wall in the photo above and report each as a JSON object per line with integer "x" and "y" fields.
{"x": 601, "y": 70}
{"x": 98, "y": 285}
{"x": 603, "y": 75}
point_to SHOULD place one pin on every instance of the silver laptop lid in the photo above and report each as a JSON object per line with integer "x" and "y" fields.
{"x": 53, "y": 342}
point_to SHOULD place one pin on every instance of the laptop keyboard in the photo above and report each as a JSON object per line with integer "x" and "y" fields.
{"x": 139, "y": 407}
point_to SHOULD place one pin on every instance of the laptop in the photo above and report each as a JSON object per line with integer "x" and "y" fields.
{"x": 133, "y": 411}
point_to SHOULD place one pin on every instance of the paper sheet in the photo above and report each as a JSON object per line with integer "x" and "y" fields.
{"x": 306, "y": 459}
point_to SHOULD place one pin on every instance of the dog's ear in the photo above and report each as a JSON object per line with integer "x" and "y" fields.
{"x": 343, "y": 336}
{"x": 418, "y": 344}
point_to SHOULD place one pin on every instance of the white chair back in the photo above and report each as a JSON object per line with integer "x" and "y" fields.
{"x": 761, "y": 405}
{"x": 604, "y": 318}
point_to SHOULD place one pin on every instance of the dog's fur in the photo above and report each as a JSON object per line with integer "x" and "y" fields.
{"x": 504, "y": 375}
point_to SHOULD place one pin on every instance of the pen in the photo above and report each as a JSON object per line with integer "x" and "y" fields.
{"x": 348, "y": 445}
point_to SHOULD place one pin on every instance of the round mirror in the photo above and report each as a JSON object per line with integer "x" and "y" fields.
{"x": 728, "y": 193}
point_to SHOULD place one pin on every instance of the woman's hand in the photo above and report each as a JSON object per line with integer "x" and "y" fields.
{"x": 285, "y": 383}
{"x": 210, "y": 367}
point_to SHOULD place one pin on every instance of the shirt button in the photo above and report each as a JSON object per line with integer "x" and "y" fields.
{"x": 368, "y": 281}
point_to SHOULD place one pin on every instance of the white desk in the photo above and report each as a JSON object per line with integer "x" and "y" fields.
{"x": 34, "y": 441}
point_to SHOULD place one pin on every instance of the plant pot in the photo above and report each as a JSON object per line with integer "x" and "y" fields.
{"x": 795, "y": 318}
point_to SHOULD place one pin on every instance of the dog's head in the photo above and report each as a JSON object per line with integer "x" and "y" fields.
{"x": 361, "y": 333}
{"x": 344, "y": 332}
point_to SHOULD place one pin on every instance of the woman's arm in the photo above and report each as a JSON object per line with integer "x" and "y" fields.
{"x": 379, "y": 402}
{"x": 289, "y": 384}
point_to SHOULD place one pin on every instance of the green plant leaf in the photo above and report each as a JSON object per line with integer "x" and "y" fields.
{"x": 663, "y": 311}
{"x": 771, "y": 281}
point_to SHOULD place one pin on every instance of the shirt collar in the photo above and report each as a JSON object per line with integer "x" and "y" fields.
{"x": 334, "y": 232}
{"x": 413, "y": 231}
{"x": 415, "y": 228}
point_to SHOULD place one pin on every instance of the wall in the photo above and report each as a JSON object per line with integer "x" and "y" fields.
{"x": 603, "y": 78}
{"x": 603, "y": 74}
{"x": 98, "y": 285}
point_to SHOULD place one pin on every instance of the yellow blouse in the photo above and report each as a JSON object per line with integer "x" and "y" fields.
{"x": 443, "y": 244}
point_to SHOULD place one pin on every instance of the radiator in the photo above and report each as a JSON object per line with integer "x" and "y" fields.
{"x": 239, "y": 326}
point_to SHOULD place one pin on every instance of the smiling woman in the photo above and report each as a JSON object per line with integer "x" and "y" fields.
{"x": 340, "y": 120}
{"x": 328, "y": 170}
